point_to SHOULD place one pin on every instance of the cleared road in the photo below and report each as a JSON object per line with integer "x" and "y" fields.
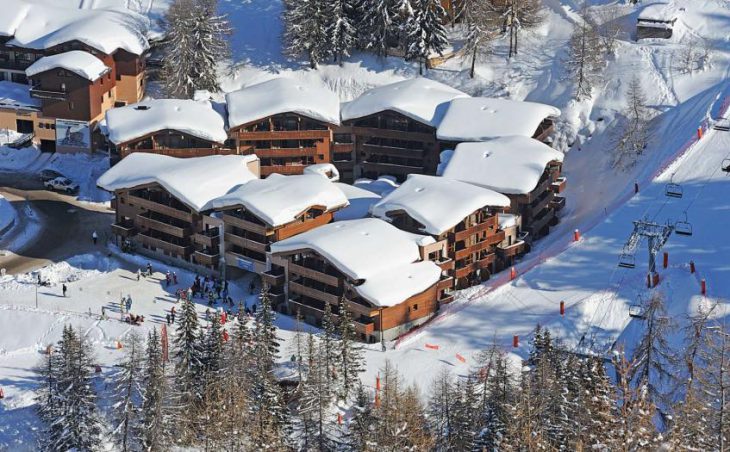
{"x": 64, "y": 225}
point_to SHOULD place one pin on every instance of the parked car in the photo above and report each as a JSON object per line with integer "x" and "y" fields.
{"x": 62, "y": 184}
{"x": 49, "y": 174}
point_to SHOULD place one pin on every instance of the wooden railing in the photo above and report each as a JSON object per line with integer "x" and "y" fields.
{"x": 313, "y": 293}
{"x": 474, "y": 266}
{"x": 286, "y": 152}
{"x": 183, "y": 152}
{"x": 206, "y": 259}
{"x": 160, "y": 208}
{"x": 124, "y": 230}
{"x": 161, "y": 244}
{"x": 286, "y": 170}
{"x": 363, "y": 328}
{"x": 394, "y": 134}
{"x": 392, "y": 151}
{"x": 245, "y": 243}
{"x": 476, "y": 229}
{"x": 284, "y": 135}
{"x": 244, "y": 224}
{"x": 540, "y": 204}
{"x": 314, "y": 274}
{"x": 157, "y": 225}
{"x": 559, "y": 185}
{"x": 273, "y": 279}
{"x": 557, "y": 203}
{"x": 511, "y": 250}
{"x": 293, "y": 229}
{"x": 489, "y": 241}
{"x": 206, "y": 240}
{"x": 392, "y": 168}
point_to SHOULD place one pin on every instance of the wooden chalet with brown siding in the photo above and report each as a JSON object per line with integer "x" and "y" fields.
{"x": 180, "y": 128}
{"x": 159, "y": 203}
{"x": 288, "y": 125}
{"x": 383, "y": 275}
{"x": 525, "y": 170}
{"x": 393, "y": 129}
{"x": 462, "y": 215}
{"x": 266, "y": 211}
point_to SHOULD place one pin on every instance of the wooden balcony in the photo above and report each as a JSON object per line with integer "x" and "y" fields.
{"x": 314, "y": 274}
{"x": 481, "y": 246}
{"x": 292, "y": 229}
{"x": 244, "y": 224}
{"x": 37, "y": 93}
{"x": 511, "y": 250}
{"x": 125, "y": 230}
{"x": 394, "y": 134}
{"x": 538, "y": 224}
{"x": 476, "y": 229}
{"x": 559, "y": 185}
{"x": 273, "y": 279}
{"x": 205, "y": 258}
{"x": 159, "y": 244}
{"x": 446, "y": 264}
{"x": 287, "y": 170}
{"x": 446, "y": 299}
{"x": 149, "y": 223}
{"x": 538, "y": 205}
{"x": 160, "y": 208}
{"x": 286, "y": 152}
{"x": 372, "y": 149}
{"x": 474, "y": 266}
{"x": 557, "y": 203}
{"x": 389, "y": 168}
{"x": 211, "y": 239}
{"x": 342, "y": 147}
{"x": 245, "y": 243}
{"x": 543, "y": 186}
{"x": 183, "y": 152}
{"x": 360, "y": 327}
{"x": 445, "y": 283}
{"x": 313, "y": 293}
{"x": 284, "y": 135}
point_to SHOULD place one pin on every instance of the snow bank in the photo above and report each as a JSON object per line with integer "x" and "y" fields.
{"x": 194, "y": 181}
{"x": 509, "y": 165}
{"x": 658, "y": 12}
{"x": 381, "y": 186}
{"x": 481, "y": 118}
{"x": 282, "y": 95}
{"x": 80, "y": 63}
{"x": 327, "y": 170}
{"x": 420, "y": 99}
{"x": 279, "y": 200}
{"x": 360, "y": 201}
{"x": 386, "y": 258}
{"x": 7, "y": 215}
{"x": 198, "y": 119}
{"x": 36, "y": 26}
{"x": 437, "y": 203}
{"x": 17, "y": 96}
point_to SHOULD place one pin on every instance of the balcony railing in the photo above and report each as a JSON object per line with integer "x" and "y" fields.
{"x": 150, "y": 223}
{"x": 286, "y": 152}
{"x": 210, "y": 239}
{"x": 125, "y": 230}
{"x": 282, "y": 169}
{"x": 156, "y": 243}
{"x": 392, "y": 151}
{"x": 37, "y": 93}
{"x": 558, "y": 203}
{"x": 313, "y": 293}
{"x": 481, "y": 227}
{"x": 559, "y": 185}
{"x": 203, "y": 258}
{"x": 511, "y": 250}
{"x": 314, "y": 274}
{"x": 244, "y": 224}
{"x": 245, "y": 243}
{"x": 273, "y": 278}
{"x": 160, "y": 208}
{"x": 481, "y": 246}
{"x": 284, "y": 135}
{"x": 391, "y": 168}
{"x": 361, "y": 327}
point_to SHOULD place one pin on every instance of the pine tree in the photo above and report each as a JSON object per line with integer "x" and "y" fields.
{"x": 497, "y": 396}
{"x": 328, "y": 339}
{"x": 441, "y": 407}
{"x": 307, "y": 29}
{"x": 128, "y": 393}
{"x": 212, "y": 349}
{"x": 600, "y": 411}
{"x": 636, "y": 429}
{"x": 152, "y": 430}
{"x": 634, "y": 136}
{"x": 349, "y": 359}
{"x": 316, "y": 399}
{"x": 481, "y": 19}
{"x": 585, "y": 59}
{"x": 196, "y": 42}
{"x": 465, "y": 426}
{"x": 189, "y": 371}
{"x": 360, "y": 434}
{"x": 425, "y": 31}
{"x": 340, "y": 29}
{"x": 377, "y": 25}
{"x": 518, "y": 15}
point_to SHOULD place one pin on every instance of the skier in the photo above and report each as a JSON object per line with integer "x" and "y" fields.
{"x": 94, "y": 237}
{"x": 129, "y": 302}
{"x": 63, "y": 288}
{"x": 174, "y": 278}
{"x": 172, "y": 314}
{"x": 139, "y": 273}
{"x": 207, "y": 314}
{"x": 251, "y": 287}
{"x": 103, "y": 313}
{"x": 167, "y": 318}
{"x": 190, "y": 293}
{"x": 121, "y": 304}
{"x": 149, "y": 269}
{"x": 167, "y": 279}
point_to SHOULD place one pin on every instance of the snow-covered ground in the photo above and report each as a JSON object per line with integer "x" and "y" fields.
{"x": 7, "y": 215}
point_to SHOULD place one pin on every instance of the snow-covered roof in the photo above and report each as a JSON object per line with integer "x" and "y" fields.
{"x": 42, "y": 26}
{"x": 481, "y": 118}
{"x": 507, "y": 220}
{"x": 509, "y": 165}
{"x": 360, "y": 202}
{"x": 381, "y": 186}
{"x": 194, "y": 181}
{"x": 438, "y": 204}
{"x": 79, "y": 62}
{"x": 419, "y": 98}
{"x": 662, "y": 12}
{"x": 16, "y": 96}
{"x": 282, "y": 95}
{"x": 327, "y": 170}
{"x": 198, "y": 119}
{"x": 279, "y": 200}
{"x": 386, "y": 258}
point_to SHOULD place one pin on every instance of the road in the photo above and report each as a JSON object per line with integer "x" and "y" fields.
{"x": 64, "y": 225}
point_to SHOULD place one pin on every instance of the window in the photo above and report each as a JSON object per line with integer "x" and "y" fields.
{"x": 102, "y": 99}
{"x": 70, "y": 105}
{"x": 63, "y": 87}
{"x": 415, "y": 307}
{"x": 41, "y": 125}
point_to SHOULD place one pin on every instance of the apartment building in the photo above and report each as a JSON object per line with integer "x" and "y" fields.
{"x": 462, "y": 215}
{"x": 382, "y": 275}
{"x": 287, "y": 124}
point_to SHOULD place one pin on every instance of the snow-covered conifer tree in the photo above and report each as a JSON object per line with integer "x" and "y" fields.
{"x": 128, "y": 393}
{"x": 349, "y": 359}
{"x": 188, "y": 370}
{"x": 341, "y": 31}
{"x": 426, "y": 33}
{"x": 152, "y": 429}
{"x": 307, "y": 29}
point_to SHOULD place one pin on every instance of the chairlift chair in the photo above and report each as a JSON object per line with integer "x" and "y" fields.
{"x": 636, "y": 311}
{"x": 726, "y": 165}
{"x": 683, "y": 227}
{"x": 672, "y": 189}
{"x": 627, "y": 260}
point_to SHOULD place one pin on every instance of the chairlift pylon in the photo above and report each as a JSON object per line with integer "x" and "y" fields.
{"x": 683, "y": 227}
{"x": 672, "y": 189}
{"x": 726, "y": 165}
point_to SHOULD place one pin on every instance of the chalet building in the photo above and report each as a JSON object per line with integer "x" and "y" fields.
{"x": 49, "y": 49}
{"x": 174, "y": 127}
{"x": 20, "y": 112}
{"x": 392, "y": 128}
{"x": 656, "y": 21}
{"x": 160, "y": 200}
{"x": 266, "y": 211}
{"x": 481, "y": 118}
{"x": 524, "y": 169}
{"x": 288, "y": 125}
{"x": 384, "y": 275}
{"x": 462, "y": 215}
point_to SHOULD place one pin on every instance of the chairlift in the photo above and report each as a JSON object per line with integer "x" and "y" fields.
{"x": 636, "y": 311}
{"x": 627, "y": 260}
{"x": 672, "y": 189}
{"x": 683, "y": 227}
{"x": 726, "y": 165}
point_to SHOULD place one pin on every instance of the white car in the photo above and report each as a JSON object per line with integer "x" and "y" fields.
{"x": 61, "y": 184}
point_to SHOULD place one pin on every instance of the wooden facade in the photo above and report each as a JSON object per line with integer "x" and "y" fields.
{"x": 539, "y": 208}
{"x": 174, "y": 144}
{"x": 389, "y": 143}
{"x": 285, "y": 143}
{"x": 248, "y": 238}
{"x": 305, "y": 282}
